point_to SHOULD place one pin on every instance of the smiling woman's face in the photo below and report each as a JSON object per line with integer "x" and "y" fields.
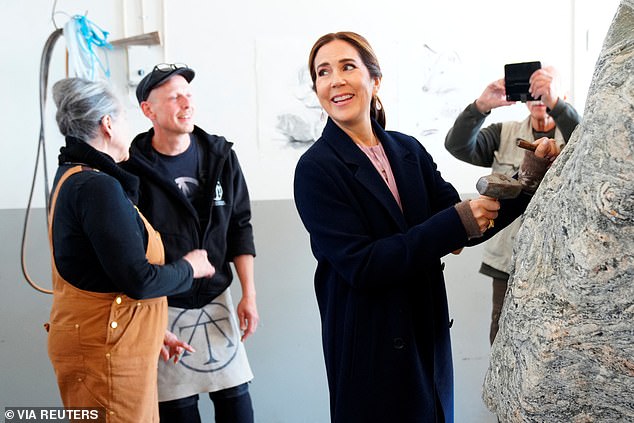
{"x": 343, "y": 84}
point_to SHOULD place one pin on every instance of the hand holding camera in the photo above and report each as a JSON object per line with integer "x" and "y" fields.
{"x": 517, "y": 80}
{"x": 494, "y": 95}
{"x": 528, "y": 81}
{"x": 543, "y": 86}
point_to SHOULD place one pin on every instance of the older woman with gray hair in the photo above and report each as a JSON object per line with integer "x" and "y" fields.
{"x": 109, "y": 313}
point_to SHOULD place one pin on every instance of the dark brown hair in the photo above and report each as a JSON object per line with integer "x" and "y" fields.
{"x": 367, "y": 56}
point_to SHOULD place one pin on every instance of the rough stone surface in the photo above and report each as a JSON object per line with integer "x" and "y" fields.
{"x": 565, "y": 350}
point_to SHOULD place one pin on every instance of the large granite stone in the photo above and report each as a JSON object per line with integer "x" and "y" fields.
{"x": 565, "y": 349}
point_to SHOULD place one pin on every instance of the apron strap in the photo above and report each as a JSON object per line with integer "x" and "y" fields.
{"x": 70, "y": 172}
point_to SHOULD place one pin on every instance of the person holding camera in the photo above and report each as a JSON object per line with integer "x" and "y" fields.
{"x": 496, "y": 147}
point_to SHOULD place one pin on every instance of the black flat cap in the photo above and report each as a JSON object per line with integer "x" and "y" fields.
{"x": 159, "y": 75}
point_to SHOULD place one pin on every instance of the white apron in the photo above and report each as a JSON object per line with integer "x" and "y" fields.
{"x": 220, "y": 360}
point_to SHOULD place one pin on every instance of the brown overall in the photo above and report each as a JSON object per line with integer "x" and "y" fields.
{"x": 104, "y": 346}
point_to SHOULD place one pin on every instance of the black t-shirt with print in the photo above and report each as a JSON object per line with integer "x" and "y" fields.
{"x": 183, "y": 170}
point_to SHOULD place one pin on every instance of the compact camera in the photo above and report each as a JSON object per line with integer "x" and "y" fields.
{"x": 516, "y": 76}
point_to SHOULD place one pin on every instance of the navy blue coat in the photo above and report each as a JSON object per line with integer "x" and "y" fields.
{"x": 379, "y": 281}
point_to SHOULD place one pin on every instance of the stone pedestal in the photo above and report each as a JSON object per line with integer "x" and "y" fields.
{"x": 565, "y": 349}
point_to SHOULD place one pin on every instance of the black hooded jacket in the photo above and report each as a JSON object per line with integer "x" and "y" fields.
{"x": 220, "y": 222}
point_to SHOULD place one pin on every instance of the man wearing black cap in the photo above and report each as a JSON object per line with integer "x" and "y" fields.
{"x": 194, "y": 193}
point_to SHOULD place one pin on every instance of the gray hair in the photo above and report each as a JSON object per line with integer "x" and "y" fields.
{"x": 81, "y": 105}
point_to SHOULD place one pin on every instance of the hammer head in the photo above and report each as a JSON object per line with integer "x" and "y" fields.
{"x": 499, "y": 186}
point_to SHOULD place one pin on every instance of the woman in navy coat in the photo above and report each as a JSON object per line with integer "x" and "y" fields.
{"x": 380, "y": 217}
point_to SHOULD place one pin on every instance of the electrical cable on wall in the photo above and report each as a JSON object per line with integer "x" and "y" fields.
{"x": 84, "y": 39}
{"x": 41, "y": 149}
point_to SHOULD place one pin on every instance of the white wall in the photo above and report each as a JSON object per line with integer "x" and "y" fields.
{"x": 590, "y": 24}
{"x": 239, "y": 49}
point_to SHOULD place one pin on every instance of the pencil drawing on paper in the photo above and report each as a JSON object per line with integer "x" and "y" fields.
{"x": 439, "y": 88}
{"x": 303, "y": 125}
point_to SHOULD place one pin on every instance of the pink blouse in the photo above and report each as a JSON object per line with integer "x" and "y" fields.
{"x": 377, "y": 156}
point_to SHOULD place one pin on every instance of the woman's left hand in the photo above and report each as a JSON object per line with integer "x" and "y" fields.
{"x": 174, "y": 347}
{"x": 534, "y": 166}
{"x": 547, "y": 148}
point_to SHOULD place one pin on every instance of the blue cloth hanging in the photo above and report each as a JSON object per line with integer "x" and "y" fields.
{"x": 85, "y": 40}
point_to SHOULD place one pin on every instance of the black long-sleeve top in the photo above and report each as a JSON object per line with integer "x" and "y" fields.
{"x": 99, "y": 240}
